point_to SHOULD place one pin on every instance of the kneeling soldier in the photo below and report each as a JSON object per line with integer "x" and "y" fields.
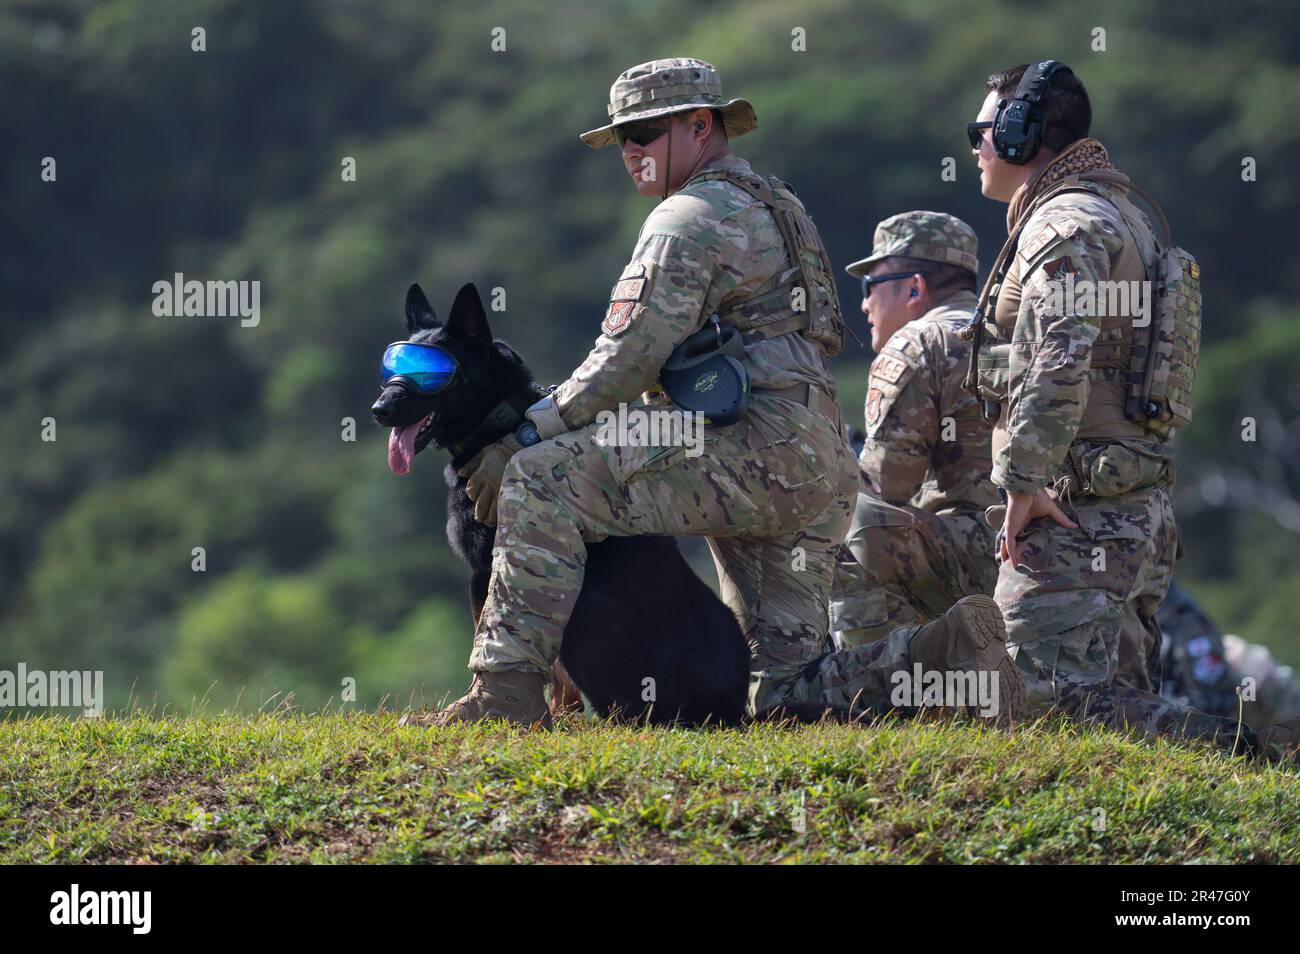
{"x": 919, "y": 540}
{"x": 1088, "y": 541}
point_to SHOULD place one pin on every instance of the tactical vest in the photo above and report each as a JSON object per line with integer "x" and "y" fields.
{"x": 1140, "y": 377}
{"x": 801, "y": 297}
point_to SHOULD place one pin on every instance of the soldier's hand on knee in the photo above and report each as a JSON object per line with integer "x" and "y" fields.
{"x": 483, "y": 477}
{"x": 1022, "y": 508}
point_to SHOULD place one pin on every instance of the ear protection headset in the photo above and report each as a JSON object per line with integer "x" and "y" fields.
{"x": 1018, "y": 124}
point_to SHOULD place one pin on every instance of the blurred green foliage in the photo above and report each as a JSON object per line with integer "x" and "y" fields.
{"x": 176, "y": 433}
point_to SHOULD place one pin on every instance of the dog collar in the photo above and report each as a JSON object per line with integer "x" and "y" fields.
{"x": 506, "y": 416}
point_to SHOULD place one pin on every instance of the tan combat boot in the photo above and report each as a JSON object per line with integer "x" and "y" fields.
{"x": 513, "y": 695}
{"x": 1280, "y": 742}
{"x": 971, "y": 637}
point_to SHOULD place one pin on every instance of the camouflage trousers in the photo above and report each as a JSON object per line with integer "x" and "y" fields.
{"x": 1080, "y": 611}
{"x": 773, "y": 493}
{"x": 904, "y": 565}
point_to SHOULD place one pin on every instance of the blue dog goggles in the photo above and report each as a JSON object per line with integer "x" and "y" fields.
{"x": 424, "y": 368}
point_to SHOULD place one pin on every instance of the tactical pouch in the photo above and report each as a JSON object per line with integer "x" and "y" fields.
{"x": 1115, "y": 469}
{"x": 1175, "y": 343}
{"x": 1163, "y": 368}
{"x": 704, "y": 374}
{"x": 993, "y": 373}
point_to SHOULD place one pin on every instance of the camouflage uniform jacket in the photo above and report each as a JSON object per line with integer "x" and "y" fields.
{"x": 1067, "y": 370}
{"x": 709, "y": 244}
{"x": 926, "y": 442}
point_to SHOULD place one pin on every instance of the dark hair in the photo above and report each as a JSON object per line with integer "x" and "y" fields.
{"x": 1066, "y": 108}
{"x": 943, "y": 280}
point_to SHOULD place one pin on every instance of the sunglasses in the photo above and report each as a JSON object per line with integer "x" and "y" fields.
{"x": 975, "y": 132}
{"x": 642, "y": 133}
{"x": 869, "y": 280}
{"x": 423, "y": 368}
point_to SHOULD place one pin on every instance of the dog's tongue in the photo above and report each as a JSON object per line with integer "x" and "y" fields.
{"x": 401, "y": 449}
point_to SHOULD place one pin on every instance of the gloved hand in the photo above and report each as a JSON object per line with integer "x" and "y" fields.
{"x": 483, "y": 475}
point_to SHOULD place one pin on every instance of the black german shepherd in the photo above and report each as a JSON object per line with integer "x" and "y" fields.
{"x": 642, "y": 614}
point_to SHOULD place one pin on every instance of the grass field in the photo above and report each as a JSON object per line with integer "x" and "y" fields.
{"x": 344, "y": 788}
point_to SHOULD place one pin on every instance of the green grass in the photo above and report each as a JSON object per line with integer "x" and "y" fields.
{"x": 303, "y": 788}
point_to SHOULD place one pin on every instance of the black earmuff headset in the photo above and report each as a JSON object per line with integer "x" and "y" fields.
{"x": 1018, "y": 124}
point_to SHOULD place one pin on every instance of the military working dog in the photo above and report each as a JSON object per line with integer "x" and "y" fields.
{"x": 648, "y": 639}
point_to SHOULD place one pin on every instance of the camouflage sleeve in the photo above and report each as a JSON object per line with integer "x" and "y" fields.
{"x": 674, "y": 281}
{"x": 1051, "y": 347}
{"x": 902, "y": 426}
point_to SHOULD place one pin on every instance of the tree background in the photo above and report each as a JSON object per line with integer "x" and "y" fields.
{"x": 174, "y": 433}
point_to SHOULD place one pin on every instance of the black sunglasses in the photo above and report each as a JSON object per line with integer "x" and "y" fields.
{"x": 642, "y": 133}
{"x": 869, "y": 280}
{"x": 975, "y": 132}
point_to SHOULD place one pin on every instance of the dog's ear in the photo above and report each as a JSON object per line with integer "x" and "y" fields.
{"x": 468, "y": 322}
{"x": 419, "y": 313}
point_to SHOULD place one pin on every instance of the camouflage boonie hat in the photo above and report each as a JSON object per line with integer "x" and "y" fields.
{"x": 661, "y": 87}
{"x": 933, "y": 236}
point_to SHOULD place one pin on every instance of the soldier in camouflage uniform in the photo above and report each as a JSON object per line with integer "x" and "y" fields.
{"x": 919, "y": 540}
{"x": 773, "y": 492}
{"x": 1088, "y": 540}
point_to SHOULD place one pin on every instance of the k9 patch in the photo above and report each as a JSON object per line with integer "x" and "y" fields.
{"x": 624, "y": 298}
{"x": 628, "y": 289}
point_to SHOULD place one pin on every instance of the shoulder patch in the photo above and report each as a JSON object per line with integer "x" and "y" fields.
{"x": 889, "y": 367}
{"x": 628, "y": 289}
{"x": 1044, "y": 236}
{"x": 617, "y": 317}
{"x": 624, "y": 298}
{"x": 1058, "y": 268}
{"x": 873, "y": 408}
